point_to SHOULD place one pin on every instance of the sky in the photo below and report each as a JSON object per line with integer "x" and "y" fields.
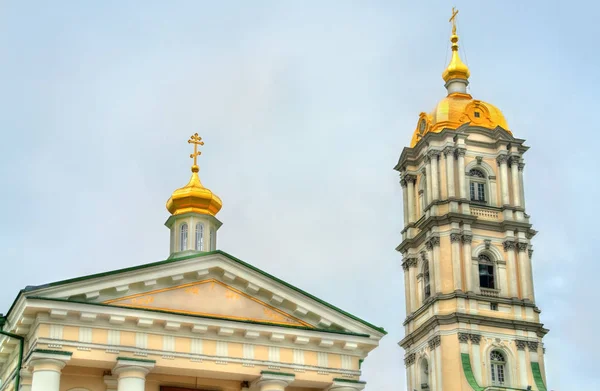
{"x": 304, "y": 108}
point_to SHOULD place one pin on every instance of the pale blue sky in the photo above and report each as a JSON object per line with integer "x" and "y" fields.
{"x": 305, "y": 108}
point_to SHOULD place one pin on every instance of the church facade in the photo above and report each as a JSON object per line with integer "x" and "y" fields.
{"x": 199, "y": 320}
{"x": 471, "y": 317}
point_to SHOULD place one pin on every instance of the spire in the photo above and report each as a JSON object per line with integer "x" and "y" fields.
{"x": 456, "y": 75}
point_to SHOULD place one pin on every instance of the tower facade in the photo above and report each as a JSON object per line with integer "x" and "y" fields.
{"x": 471, "y": 318}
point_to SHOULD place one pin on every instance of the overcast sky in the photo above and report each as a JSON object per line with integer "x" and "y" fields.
{"x": 304, "y": 108}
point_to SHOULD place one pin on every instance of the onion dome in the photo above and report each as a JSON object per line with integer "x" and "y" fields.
{"x": 456, "y": 69}
{"x": 194, "y": 197}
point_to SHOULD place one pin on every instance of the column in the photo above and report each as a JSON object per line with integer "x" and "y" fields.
{"x": 462, "y": 187}
{"x": 442, "y": 173}
{"x": 467, "y": 239}
{"x": 269, "y": 381}
{"x": 47, "y": 366}
{"x": 428, "y": 176}
{"x": 502, "y": 162}
{"x": 410, "y": 180}
{"x": 529, "y": 262}
{"x": 449, "y": 153}
{"x": 435, "y": 178}
{"x": 404, "y": 200}
{"x": 521, "y": 167}
{"x": 407, "y": 288}
{"x": 476, "y": 350}
{"x": 131, "y": 373}
{"x": 514, "y": 171}
{"x": 509, "y": 248}
{"x": 455, "y": 240}
{"x": 412, "y": 275}
{"x": 525, "y": 271}
{"x": 523, "y": 381}
{"x": 435, "y": 371}
{"x": 433, "y": 244}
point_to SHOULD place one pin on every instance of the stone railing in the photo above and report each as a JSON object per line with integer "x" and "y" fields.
{"x": 485, "y": 214}
{"x": 490, "y": 292}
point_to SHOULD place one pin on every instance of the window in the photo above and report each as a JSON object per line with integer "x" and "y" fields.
{"x": 494, "y": 306}
{"x": 486, "y": 272}
{"x": 498, "y": 366}
{"x": 183, "y": 237}
{"x": 477, "y": 185}
{"x": 426, "y": 284}
{"x": 424, "y": 375}
{"x": 477, "y": 114}
{"x": 200, "y": 237}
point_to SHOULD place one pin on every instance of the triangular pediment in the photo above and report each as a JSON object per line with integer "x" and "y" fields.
{"x": 208, "y": 298}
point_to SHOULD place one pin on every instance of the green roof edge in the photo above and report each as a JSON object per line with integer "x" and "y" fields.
{"x": 466, "y": 364}
{"x": 537, "y": 376}
{"x": 277, "y": 373}
{"x": 349, "y": 381}
{"x": 173, "y": 260}
{"x": 137, "y": 359}
{"x": 202, "y": 316}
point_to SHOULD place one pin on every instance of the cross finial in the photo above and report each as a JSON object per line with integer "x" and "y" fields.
{"x": 453, "y": 20}
{"x": 196, "y": 140}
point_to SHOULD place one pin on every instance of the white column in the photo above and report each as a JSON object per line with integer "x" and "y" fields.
{"x": 521, "y": 167}
{"x": 467, "y": 239}
{"x": 433, "y": 244}
{"x": 412, "y": 275}
{"x": 523, "y": 381}
{"x": 47, "y": 366}
{"x": 529, "y": 262}
{"x": 525, "y": 271}
{"x": 435, "y": 348}
{"x": 410, "y": 180}
{"x": 435, "y": 178}
{"x": 456, "y": 269}
{"x": 428, "y": 179}
{"x": 509, "y": 248}
{"x": 404, "y": 200}
{"x": 449, "y": 153}
{"x": 407, "y": 286}
{"x": 502, "y": 162}
{"x": 131, "y": 373}
{"x": 279, "y": 381}
{"x": 462, "y": 186}
{"x": 477, "y": 363}
{"x": 516, "y": 189}
{"x": 443, "y": 176}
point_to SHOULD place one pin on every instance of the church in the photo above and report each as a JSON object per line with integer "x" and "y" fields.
{"x": 471, "y": 318}
{"x": 203, "y": 319}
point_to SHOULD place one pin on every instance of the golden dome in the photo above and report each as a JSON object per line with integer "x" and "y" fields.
{"x": 194, "y": 197}
{"x": 455, "y": 110}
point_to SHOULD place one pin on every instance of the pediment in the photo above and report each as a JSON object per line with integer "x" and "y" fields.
{"x": 211, "y": 298}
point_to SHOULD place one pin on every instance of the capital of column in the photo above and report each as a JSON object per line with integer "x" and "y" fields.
{"x": 409, "y": 178}
{"x": 434, "y": 342}
{"x": 522, "y": 247}
{"x": 502, "y": 159}
{"x": 521, "y": 166}
{"x": 48, "y": 360}
{"x": 461, "y": 152}
{"x": 272, "y": 381}
{"x": 508, "y": 245}
{"x": 132, "y": 368}
{"x": 433, "y": 241}
{"x": 455, "y": 238}
{"x": 467, "y": 239}
{"x": 514, "y": 160}
{"x": 449, "y": 151}
{"x": 520, "y": 344}
{"x": 346, "y": 385}
{"x": 434, "y": 154}
{"x": 410, "y": 359}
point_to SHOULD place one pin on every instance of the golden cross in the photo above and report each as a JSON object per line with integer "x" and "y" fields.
{"x": 453, "y": 20}
{"x": 196, "y": 140}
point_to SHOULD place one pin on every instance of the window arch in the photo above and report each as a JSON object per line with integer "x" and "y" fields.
{"x": 424, "y": 370}
{"x": 487, "y": 276}
{"x": 426, "y": 280}
{"x": 199, "y": 237}
{"x": 183, "y": 237}
{"x": 498, "y": 368}
{"x": 477, "y": 185}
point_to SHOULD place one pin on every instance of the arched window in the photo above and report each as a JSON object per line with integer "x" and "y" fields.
{"x": 426, "y": 283}
{"x": 486, "y": 272}
{"x": 424, "y": 375}
{"x": 477, "y": 182}
{"x": 200, "y": 237}
{"x": 498, "y": 367}
{"x": 183, "y": 237}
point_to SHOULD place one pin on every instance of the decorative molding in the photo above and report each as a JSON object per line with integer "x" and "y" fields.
{"x": 479, "y": 160}
{"x": 488, "y": 244}
{"x": 463, "y": 337}
{"x": 522, "y": 247}
{"x": 508, "y": 245}
{"x": 434, "y": 342}
{"x": 455, "y": 238}
{"x": 475, "y": 338}
{"x": 410, "y": 359}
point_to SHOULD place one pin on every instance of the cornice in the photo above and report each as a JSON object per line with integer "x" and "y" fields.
{"x": 455, "y": 318}
{"x": 467, "y": 295}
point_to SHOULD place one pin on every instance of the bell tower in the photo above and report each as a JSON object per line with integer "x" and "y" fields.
{"x": 471, "y": 318}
